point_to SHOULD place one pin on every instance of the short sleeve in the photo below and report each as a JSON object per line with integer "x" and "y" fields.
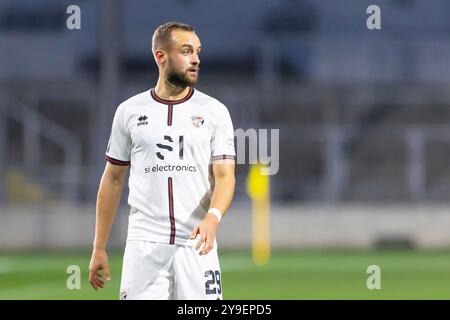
{"x": 222, "y": 142}
{"x": 119, "y": 144}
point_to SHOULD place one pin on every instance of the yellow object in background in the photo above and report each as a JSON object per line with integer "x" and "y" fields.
{"x": 257, "y": 183}
{"x": 258, "y": 188}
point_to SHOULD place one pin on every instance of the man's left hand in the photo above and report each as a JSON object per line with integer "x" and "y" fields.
{"x": 207, "y": 230}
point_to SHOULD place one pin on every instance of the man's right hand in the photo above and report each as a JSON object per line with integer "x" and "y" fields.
{"x": 99, "y": 261}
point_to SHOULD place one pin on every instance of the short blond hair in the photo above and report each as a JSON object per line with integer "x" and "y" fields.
{"x": 162, "y": 34}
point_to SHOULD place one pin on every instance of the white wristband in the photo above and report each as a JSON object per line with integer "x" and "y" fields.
{"x": 216, "y": 212}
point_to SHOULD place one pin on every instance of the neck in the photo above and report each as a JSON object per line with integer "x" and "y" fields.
{"x": 166, "y": 90}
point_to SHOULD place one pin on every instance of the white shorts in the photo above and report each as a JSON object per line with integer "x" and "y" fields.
{"x": 160, "y": 271}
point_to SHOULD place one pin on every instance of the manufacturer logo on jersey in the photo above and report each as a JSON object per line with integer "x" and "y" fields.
{"x": 142, "y": 120}
{"x": 197, "y": 121}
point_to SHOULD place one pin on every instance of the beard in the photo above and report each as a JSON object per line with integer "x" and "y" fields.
{"x": 180, "y": 79}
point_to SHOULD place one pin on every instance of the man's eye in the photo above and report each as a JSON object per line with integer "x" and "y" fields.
{"x": 186, "y": 52}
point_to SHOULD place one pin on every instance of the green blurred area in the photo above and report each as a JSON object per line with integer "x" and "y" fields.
{"x": 328, "y": 274}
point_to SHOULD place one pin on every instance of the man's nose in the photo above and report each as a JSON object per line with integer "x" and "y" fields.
{"x": 195, "y": 60}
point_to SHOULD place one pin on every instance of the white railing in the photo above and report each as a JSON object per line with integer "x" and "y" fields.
{"x": 35, "y": 125}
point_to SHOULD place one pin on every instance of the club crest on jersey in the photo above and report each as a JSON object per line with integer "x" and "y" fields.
{"x": 197, "y": 121}
{"x": 142, "y": 120}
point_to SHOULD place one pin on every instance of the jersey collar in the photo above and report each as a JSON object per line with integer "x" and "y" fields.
{"x": 171, "y": 102}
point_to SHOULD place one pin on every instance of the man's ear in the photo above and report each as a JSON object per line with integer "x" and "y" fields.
{"x": 160, "y": 56}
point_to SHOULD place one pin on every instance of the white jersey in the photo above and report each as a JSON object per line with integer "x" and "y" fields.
{"x": 169, "y": 145}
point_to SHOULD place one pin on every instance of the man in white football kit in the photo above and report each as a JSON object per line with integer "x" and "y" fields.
{"x": 179, "y": 145}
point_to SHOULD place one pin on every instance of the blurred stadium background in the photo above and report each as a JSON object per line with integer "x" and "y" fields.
{"x": 363, "y": 115}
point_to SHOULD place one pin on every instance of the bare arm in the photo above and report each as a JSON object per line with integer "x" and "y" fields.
{"x": 224, "y": 182}
{"x": 108, "y": 199}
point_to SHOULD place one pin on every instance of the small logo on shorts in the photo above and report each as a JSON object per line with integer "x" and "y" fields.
{"x": 197, "y": 121}
{"x": 123, "y": 295}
